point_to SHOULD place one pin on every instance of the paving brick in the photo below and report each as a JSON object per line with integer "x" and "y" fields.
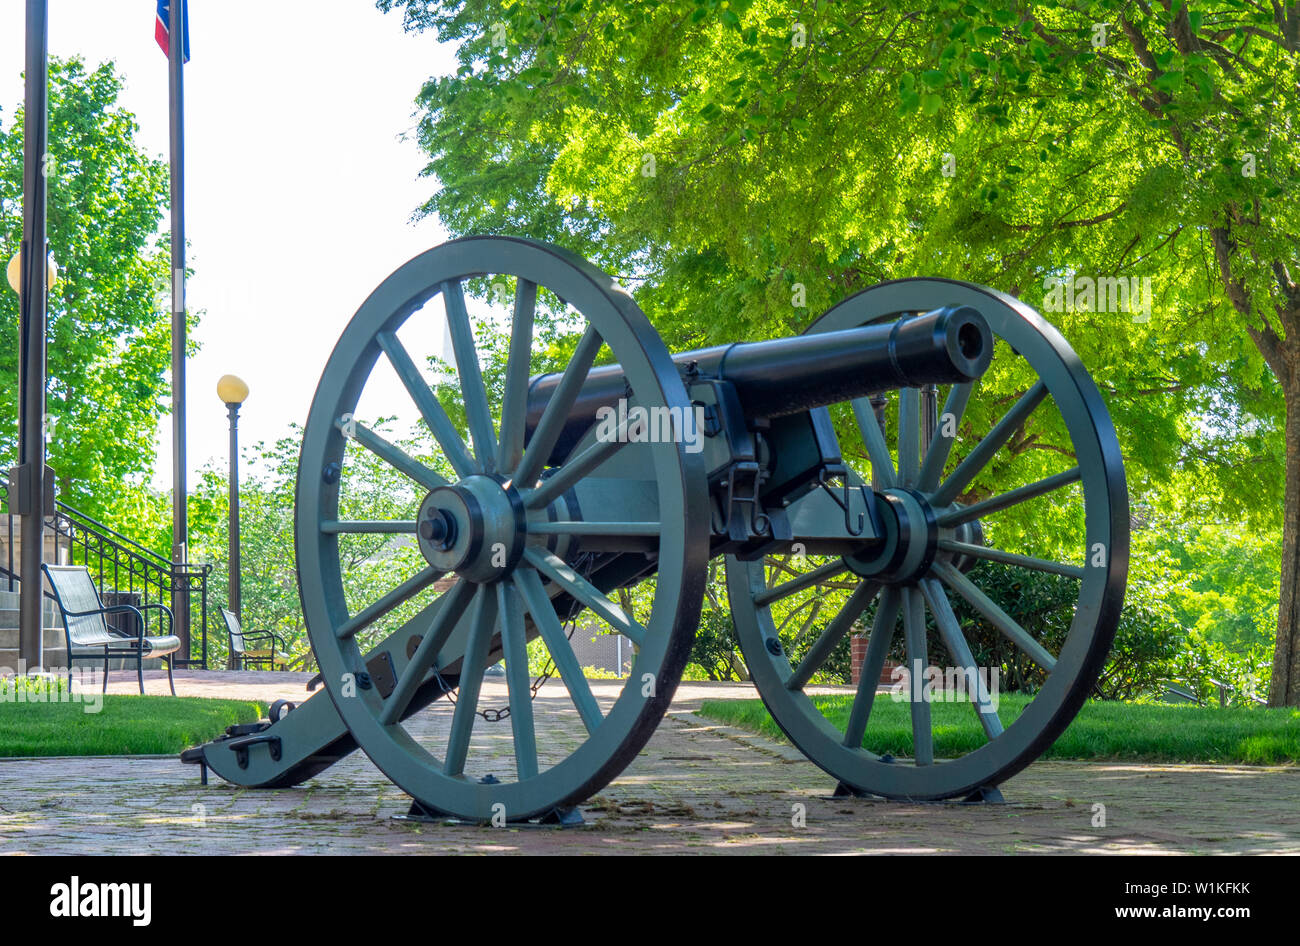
{"x": 698, "y": 787}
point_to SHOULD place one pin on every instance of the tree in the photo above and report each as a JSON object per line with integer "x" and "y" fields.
{"x": 723, "y": 155}
{"x": 1213, "y": 92}
{"x": 109, "y": 334}
{"x": 371, "y": 564}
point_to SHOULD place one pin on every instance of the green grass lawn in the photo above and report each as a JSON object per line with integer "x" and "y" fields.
{"x": 125, "y": 725}
{"x": 1102, "y": 730}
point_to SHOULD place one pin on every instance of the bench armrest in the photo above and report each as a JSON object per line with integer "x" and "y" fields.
{"x": 263, "y": 635}
{"x": 114, "y": 609}
{"x": 171, "y": 619}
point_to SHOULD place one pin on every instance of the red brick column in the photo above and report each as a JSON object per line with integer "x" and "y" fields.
{"x": 857, "y": 653}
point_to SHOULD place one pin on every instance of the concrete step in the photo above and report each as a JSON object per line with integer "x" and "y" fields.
{"x": 54, "y": 650}
{"x": 53, "y": 637}
{"x": 54, "y": 548}
{"x": 50, "y": 615}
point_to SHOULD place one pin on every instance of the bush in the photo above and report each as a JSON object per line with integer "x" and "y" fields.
{"x": 1042, "y": 604}
{"x": 715, "y": 649}
{"x": 837, "y": 667}
{"x": 1202, "y": 665}
{"x": 1141, "y": 658}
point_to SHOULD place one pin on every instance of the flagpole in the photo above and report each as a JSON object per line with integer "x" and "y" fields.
{"x": 26, "y": 487}
{"x": 180, "y": 517}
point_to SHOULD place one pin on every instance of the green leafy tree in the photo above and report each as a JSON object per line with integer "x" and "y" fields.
{"x": 736, "y": 159}
{"x": 371, "y": 564}
{"x": 1208, "y": 96}
{"x": 109, "y": 333}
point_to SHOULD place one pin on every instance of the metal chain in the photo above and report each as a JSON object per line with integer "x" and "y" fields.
{"x": 494, "y": 714}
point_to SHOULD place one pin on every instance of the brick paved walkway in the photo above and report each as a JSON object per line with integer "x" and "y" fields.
{"x": 699, "y": 787}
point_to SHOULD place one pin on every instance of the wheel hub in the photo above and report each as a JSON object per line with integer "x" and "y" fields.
{"x": 474, "y": 528}
{"x": 910, "y": 541}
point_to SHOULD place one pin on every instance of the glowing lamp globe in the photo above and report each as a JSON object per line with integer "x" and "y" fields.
{"x": 231, "y": 389}
{"x": 14, "y": 271}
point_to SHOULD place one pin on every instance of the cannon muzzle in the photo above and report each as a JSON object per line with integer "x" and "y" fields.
{"x": 788, "y": 375}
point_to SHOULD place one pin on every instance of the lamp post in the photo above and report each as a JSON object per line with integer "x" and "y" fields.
{"x": 233, "y": 392}
{"x": 31, "y": 431}
{"x": 27, "y": 481}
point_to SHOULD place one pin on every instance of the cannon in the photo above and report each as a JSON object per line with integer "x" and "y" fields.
{"x": 822, "y": 469}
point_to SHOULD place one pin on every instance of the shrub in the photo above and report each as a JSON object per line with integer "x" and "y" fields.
{"x": 1202, "y": 665}
{"x": 715, "y": 649}
{"x": 1141, "y": 658}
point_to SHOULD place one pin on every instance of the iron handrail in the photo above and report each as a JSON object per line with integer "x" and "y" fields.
{"x": 97, "y": 526}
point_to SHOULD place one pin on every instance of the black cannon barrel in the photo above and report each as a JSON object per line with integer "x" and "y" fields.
{"x": 788, "y": 375}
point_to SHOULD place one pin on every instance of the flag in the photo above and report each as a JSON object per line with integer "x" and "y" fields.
{"x": 163, "y": 21}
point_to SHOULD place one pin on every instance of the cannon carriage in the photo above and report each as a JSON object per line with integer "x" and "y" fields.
{"x": 629, "y": 469}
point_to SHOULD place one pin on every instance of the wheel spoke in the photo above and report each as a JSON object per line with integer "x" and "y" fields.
{"x": 585, "y": 593}
{"x": 450, "y": 608}
{"x": 574, "y": 469}
{"x": 819, "y": 574}
{"x": 959, "y": 583}
{"x": 392, "y": 455}
{"x": 514, "y": 645}
{"x": 548, "y": 625}
{"x": 372, "y": 527}
{"x": 917, "y": 661}
{"x": 909, "y": 435}
{"x": 477, "y": 410}
{"x": 959, "y": 648}
{"x": 1011, "y": 558}
{"x": 984, "y": 451}
{"x": 482, "y": 621}
{"x": 514, "y": 403}
{"x": 834, "y": 633}
{"x": 1010, "y": 498}
{"x": 936, "y": 454}
{"x": 882, "y": 465}
{"x": 556, "y": 413}
{"x": 453, "y": 447}
{"x": 873, "y": 663}
{"x": 594, "y": 528}
{"x": 368, "y": 615}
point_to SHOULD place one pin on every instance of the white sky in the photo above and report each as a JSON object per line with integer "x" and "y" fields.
{"x": 299, "y": 190}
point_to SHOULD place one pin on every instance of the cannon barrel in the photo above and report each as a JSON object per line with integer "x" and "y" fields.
{"x": 787, "y": 375}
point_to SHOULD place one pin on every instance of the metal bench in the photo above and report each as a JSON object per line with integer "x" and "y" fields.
{"x": 259, "y": 654}
{"x": 88, "y": 634}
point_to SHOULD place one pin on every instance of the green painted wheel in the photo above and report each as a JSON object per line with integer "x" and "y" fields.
{"x": 511, "y": 545}
{"x": 1036, "y": 418}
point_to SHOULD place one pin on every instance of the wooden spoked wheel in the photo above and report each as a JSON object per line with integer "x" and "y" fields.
{"x": 942, "y": 522}
{"x": 508, "y": 538}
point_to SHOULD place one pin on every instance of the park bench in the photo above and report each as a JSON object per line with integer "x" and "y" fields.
{"x": 260, "y": 654}
{"x": 90, "y": 637}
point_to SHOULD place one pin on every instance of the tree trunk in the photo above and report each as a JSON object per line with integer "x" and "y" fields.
{"x": 1285, "y": 689}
